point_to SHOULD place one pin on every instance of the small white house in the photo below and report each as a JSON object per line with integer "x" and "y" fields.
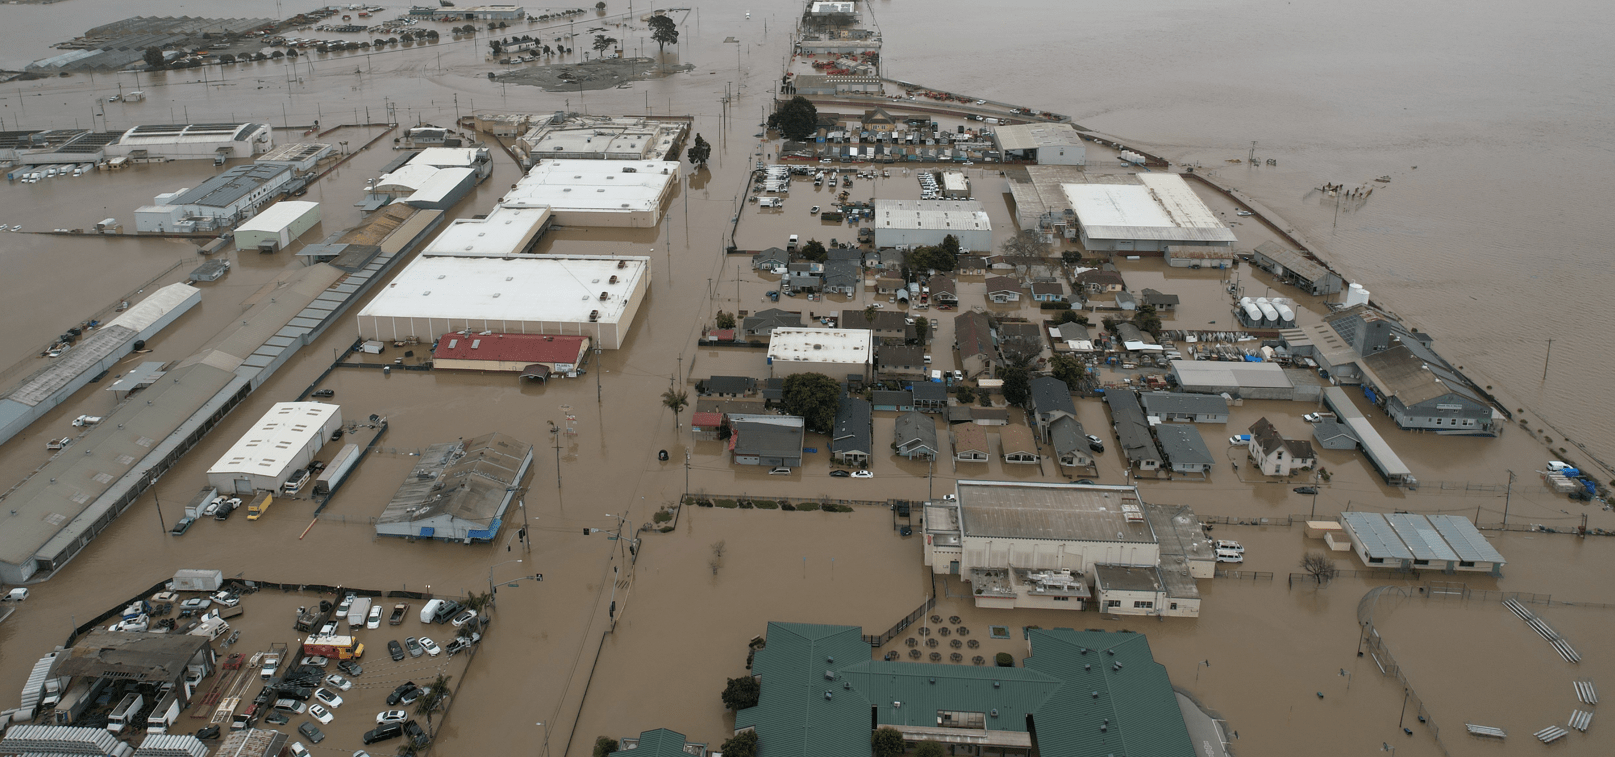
{"x": 1274, "y": 454}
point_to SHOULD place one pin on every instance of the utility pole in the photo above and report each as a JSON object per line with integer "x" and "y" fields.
{"x": 1506, "y": 495}
{"x": 160, "y": 523}
{"x": 598, "y": 396}
{"x": 555, "y": 434}
{"x": 686, "y": 474}
{"x": 1314, "y": 495}
{"x": 1545, "y": 360}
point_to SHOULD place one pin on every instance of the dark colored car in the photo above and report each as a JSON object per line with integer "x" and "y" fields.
{"x": 313, "y": 733}
{"x": 1306, "y": 490}
{"x": 210, "y": 732}
{"x": 839, "y": 474}
{"x": 350, "y": 667}
{"x": 396, "y": 650}
{"x": 414, "y": 647}
{"x": 323, "y": 393}
{"x": 384, "y": 732}
{"x": 276, "y": 717}
{"x": 416, "y": 735}
{"x": 1095, "y": 443}
{"x": 404, "y": 689}
{"x": 300, "y": 693}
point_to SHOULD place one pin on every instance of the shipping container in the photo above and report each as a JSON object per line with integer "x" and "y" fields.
{"x": 337, "y": 470}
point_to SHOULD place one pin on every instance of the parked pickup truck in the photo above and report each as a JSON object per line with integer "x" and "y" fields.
{"x": 399, "y": 611}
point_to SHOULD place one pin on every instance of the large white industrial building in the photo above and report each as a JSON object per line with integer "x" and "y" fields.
{"x": 218, "y": 202}
{"x": 185, "y": 141}
{"x": 278, "y": 226}
{"x": 592, "y": 295}
{"x": 913, "y": 223}
{"x": 627, "y": 193}
{"x": 1143, "y": 212}
{"x": 579, "y": 137}
{"x": 836, "y": 353}
{"x": 1050, "y": 144}
{"x": 508, "y": 230}
{"x": 284, "y": 440}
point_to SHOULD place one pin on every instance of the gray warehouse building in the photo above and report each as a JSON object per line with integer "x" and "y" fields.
{"x": 1296, "y": 269}
{"x": 1193, "y": 408}
{"x": 459, "y": 492}
{"x": 1251, "y": 381}
{"x": 927, "y": 222}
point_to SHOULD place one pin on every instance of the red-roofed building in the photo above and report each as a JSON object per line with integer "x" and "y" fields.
{"x": 532, "y": 355}
{"x": 705, "y": 425}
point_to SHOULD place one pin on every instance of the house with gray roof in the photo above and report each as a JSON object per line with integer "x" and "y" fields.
{"x": 852, "y": 440}
{"x": 1276, "y": 455}
{"x": 1003, "y": 289}
{"x": 1184, "y": 449}
{"x": 771, "y": 258}
{"x": 1132, "y": 430}
{"x": 727, "y": 386}
{"x": 1070, "y": 443}
{"x": 915, "y": 436}
{"x": 944, "y": 289}
{"x": 766, "y": 440}
{"x": 1185, "y": 407}
{"x": 1050, "y": 399}
{"x": 900, "y": 361}
{"x": 1160, "y": 301}
{"x": 973, "y": 338}
{"x": 930, "y": 396}
{"x": 899, "y": 400}
{"x": 763, "y": 322}
{"x": 841, "y": 277}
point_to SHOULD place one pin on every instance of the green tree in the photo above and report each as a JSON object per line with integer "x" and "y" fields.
{"x": 699, "y": 151}
{"x": 435, "y": 698}
{"x": 931, "y": 257}
{"x": 814, "y": 251}
{"x": 950, "y": 244}
{"x": 227, "y": 59}
{"x": 604, "y": 745}
{"x": 930, "y": 748}
{"x": 887, "y": 742}
{"x": 600, "y": 6}
{"x": 743, "y": 744}
{"x": 675, "y": 400}
{"x": 966, "y": 394}
{"x": 1068, "y": 369}
{"x": 813, "y": 396}
{"x": 664, "y": 31}
{"x": 1072, "y": 257}
{"x": 741, "y": 693}
{"x": 797, "y": 119}
{"x": 1072, "y": 316}
{"x": 602, "y": 43}
{"x": 1147, "y": 320}
{"x": 153, "y": 57}
{"x": 725, "y": 320}
{"x": 1017, "y": 386}
{"x": 922, "y": 329}
{"x": 869, "y": 314}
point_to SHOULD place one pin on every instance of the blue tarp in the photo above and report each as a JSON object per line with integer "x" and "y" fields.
{"x": 1369, "y": 393}
{"x": 428, "y": 531}
{"x": 1253, "y": 358}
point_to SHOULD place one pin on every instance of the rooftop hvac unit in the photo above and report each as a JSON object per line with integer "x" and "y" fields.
{"x": 605, "y": 296}
{"x": 613, "y": 280}
{"x": 622, "y": 264}
{"x": 594, "y": 316}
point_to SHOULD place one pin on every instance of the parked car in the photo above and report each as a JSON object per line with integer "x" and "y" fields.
{"x": 414, "y": 646}
{"x": 405, "y": 693}
{"x": 298, "y": 750}
{"x": 383, "y": 732}
{"x": 328, "y": 697}
{"x": 196, "y": 603}
{"x": 396, "y": 650}
{"x": 329, "y": 629}
{"x": 1315, "y": 417}
{"x": 863, "y": 474}
{"x": 338, "y": 682}
{"x": 391, "y": 716}
{"x": 1306, "y": 490}
{"x": 313, "y": 733}
{"x": 321, "y": 714}
{"x": 1232, "y": 546}
{"x": 431, "y": 647}
{"x": 1239, "y": 439}
{"x": 461, "y": 644}
{"x": 210, "y": 732}
{"x": 276, "y": 717}
{"x": 374, "y": 621}
{"x": 323, "y": 393}
{"x": 351, "y": 667}
{"x": 840, "y": 474}
{"x": 315, "y": 662}
{"x": 1095, "y": 443}
{"x": 1229, "y": 555}
{"x": 415, "y": 733}
{"x": 465, "y": 616}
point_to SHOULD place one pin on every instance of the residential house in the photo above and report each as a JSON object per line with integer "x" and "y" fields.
{"x": 852, "y": 441}
{"x": 989, "y": 416}
{"x": 1184, "y": 449}
{"x": 900, "y": 361}
{"x": 771, "y": 258}
{"x": 1019, "y": 340}
{"x": 1002, "y": 289}
{"x": 1070, "y": 443}
{"x": 1052, "y": 291}
{"x": 806, "y": 283}
{"x": 1050, "y": 400}
{"x": 1000, "y": 265}
{"x": 727, "y": 386}
{"x": 763, "y": 322}
{"x": 1132, "y": 430}
{"x": 877, "y": 119}
{"x": 1274, "y": 454}
{"x": 915, "y": 436}
{"x": 1163, "y": 303}
{"x": 930, "y": 397}
{"x": 841, "y": 277}
{"x": 890, "y": 260}
{"x": 1106, "y": 280}
{"x": 1186, "y": 408}
{"x": 890, "y": 284}
{"x": 1126, "y": 302}
{"x": 957, "y": 414}
{"x": 971, "y": 265}
{"x": 850, "y": 254}
{"x": 1072, "y": 336}
{"x": 766, "y": 440}
{"x": 748, "y": 406}
{"x": 944, "y": 290}
{"x": 774, "y": 390}
{"x": 890, "y": 327}
{"x": 969, "y": 443}
{"x": 897, "y": 400}
{"x": 1018, "y": 445}
{"x": 973, "y": 338}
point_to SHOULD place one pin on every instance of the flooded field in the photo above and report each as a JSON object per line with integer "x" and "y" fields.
{"x": 681, "y": 629}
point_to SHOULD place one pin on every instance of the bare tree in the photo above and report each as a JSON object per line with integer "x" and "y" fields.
{"x": 1319, "y": 566}
{"x": 717, "y": 557}
{"x": 1026, "y": 244}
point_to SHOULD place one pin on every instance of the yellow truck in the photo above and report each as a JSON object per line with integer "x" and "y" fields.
{"x": 257, "y": 509}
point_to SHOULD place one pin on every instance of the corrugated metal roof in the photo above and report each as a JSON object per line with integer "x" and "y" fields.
{"x": 1420, "y": 537}
{"x": 1376, "y": 536}
{"x": 1465, "y": 539}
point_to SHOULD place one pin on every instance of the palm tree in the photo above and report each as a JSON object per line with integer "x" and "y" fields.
{"x": 675, "y": 400}
{"x": 435, "y": 698}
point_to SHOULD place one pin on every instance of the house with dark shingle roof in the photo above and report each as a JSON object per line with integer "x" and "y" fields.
{"x": 1070, "y": 443}
{"x": 727, "y": 386}
{"x": 915, "y": 436}
{"x": 852, "y": 441}
{"x": 973, "y": 338}
{"x": 1003, "y": 289}
{"x": 1276, "y": 455}
{"x": 944, "y": 290}
{"x": 1079, "y": 694}
{"x": 770, "y": 259}
{"x": 970, "y": 443}
{"x": 1050, "y": 400}
{"x": 900, "y": 361}
{"x": 763, "y": 322}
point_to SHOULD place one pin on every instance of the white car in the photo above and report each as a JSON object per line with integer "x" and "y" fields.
{"x": 465, "y": 616}
{"x": 298, "y": 750}
{"x": 431, "y": 647}
{"x": 1315, "y": 417}
{"x": 862, "y": 474}
{"x": 374, "y": 621}
{"x": 338, "y": 682}
{"x": 391, "y": 716}
{"x": 226, "y": 599}
{"x": 1232, "y": 546}
{"x": 1556, "y": 466}
{"x": 328, "y": 697}
{"x": 320, "y": 713}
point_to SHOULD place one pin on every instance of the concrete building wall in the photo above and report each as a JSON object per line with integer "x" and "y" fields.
{"x": 1045, "y": 554}
{"x": 969, "y": 239}
{"x": 1062, "y": 155}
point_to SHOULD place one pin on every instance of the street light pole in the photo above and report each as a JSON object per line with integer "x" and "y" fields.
{"x": 490, "y": 576}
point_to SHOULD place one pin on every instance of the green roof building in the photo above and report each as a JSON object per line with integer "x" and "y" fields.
{"x": 1080, "y": 694}
{"x": 659, "y": 743}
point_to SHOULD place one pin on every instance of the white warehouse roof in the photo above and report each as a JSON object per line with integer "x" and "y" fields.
{"x": 442, "y": 184}
{"x": 953, "y": 215}
{"x": 508, "y": 229}
{"x": 803, "y": 345}
{"x": 1035, "y": 135}
{"x": 409, "y": 178}
{"x": 446, "y": 157}
{"x": 467, "y": 286}
{"x": 1160, "y": 207}
{"x": 272, "y": 444}
{"x": 278, "y": 216}
{"x": 596, "y": 185}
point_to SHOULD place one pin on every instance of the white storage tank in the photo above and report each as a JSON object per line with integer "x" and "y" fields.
{"x": 1356, "y": 295}
{"x": 1252, "y": 313}
{"x": 1268, "y": 311}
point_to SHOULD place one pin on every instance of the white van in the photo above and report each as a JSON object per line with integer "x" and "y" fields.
{"x": 1229, "y": 555}
{"x": 770, "y": 202}
{"x": 430, "y": 609}
{"x": 791, "y": 245}
{"x": 1556, "y": 466}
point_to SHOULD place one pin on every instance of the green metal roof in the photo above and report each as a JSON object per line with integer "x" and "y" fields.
{"x": 658, "y": 743}
{"x": 1054, "y": 693}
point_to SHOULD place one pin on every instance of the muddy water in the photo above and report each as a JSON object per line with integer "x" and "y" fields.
{"x": 1271, "y": 649}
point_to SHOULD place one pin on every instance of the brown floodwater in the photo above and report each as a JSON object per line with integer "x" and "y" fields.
{"x": 681, "y": 628}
